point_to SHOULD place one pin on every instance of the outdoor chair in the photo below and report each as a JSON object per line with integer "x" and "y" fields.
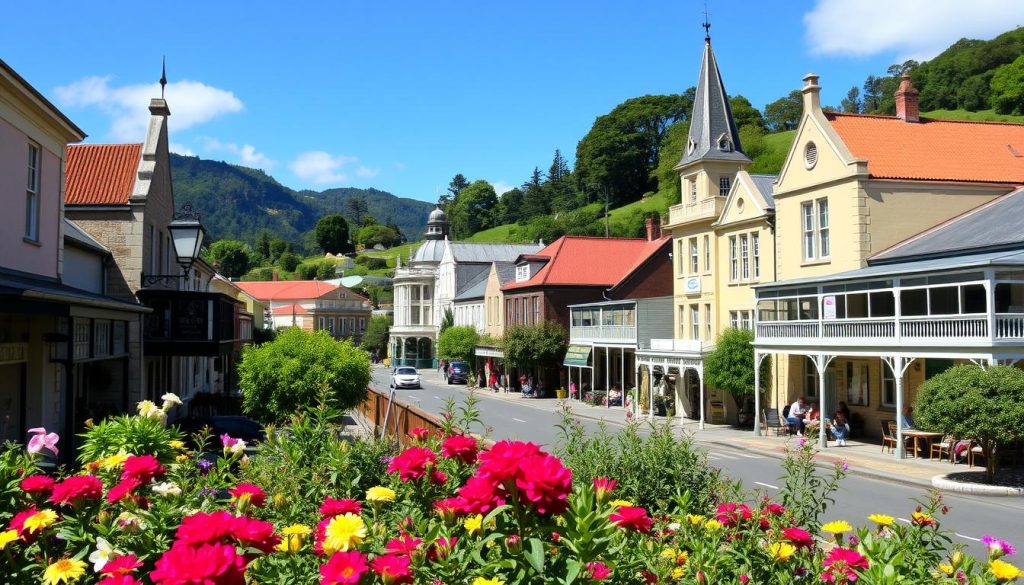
{"x": 943, "y": 447}
{"x": 907, "y": 441}
{"x": 717, "y": 412}
{"x": 770, "y": 420}
{"x": 888, "y": 440}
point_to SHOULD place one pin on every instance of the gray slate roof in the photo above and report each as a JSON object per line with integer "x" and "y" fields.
{"x": 474, "y": 289}
{"x": 506, "y": 272}
{"x": 467, "y": 275}
{"x": 711, "y": 117}
{"x": 764, "y": 184}
{"x": 997, "y": 224}
{"x": 430, "y": 251}
{"x": 487, "y": 253}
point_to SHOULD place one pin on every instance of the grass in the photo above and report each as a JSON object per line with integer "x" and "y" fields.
{"x": 391, "y": 254}
{"x": 501, "y": 234}
{"x": 981, "y": 116}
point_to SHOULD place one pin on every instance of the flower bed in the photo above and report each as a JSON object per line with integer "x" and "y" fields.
{"x": 310, "y": 508}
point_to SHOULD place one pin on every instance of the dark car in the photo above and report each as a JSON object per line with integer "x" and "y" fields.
{"x": 458, "y": 373}
{"x": 238, "y": 427}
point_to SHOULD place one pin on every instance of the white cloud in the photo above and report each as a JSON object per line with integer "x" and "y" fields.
{"x": 320, "y": 167}
{"x": 180, "y": 149}
{"x": 367, "y": 172}
{"x": 191, "y": 103}
{"x": 399, "y": 165}
{"x": 247, "y": 154}
{"x": 501, "y": 187}
{"x": 914, "y": 29}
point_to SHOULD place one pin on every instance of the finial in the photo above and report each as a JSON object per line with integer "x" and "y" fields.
{"x": 163, "y": 76}
{"x": 706, "y": 25}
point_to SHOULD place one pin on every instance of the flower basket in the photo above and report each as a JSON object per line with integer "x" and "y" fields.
{"x": 561, "y": 393}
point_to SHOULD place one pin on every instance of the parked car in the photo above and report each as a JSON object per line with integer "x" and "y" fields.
{"x": 458, "y": 372}
{"x": 238, "y": 427}
{"x": 405, "y": 377}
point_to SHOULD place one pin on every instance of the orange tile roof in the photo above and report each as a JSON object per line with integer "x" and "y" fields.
{"x": 588, "y": 261}
{"x": 283, "y": 290}
{"x": 935, "y": 150}
{"x": 101, "y": 174}
{"x": 290, "y": 310}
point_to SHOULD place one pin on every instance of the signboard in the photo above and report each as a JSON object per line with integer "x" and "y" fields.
{"x": 13, "y": 353}
{"x": 692, "y": 285}
{"x": 828, "y": 307}
{"x": 577, "y": 355}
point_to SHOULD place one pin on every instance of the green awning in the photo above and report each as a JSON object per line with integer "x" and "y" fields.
{"x": 577, "y": 355}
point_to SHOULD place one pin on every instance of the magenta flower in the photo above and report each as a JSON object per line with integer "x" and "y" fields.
{"x": 42, "y": 440}
{"x": 998, "y": 547}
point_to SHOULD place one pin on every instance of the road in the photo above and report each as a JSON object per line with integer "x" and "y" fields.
{"x": 970, "y": 517}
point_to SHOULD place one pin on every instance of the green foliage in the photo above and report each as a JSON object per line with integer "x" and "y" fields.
{"x": 370, "y": 235}
{"x": 1008, "y": 88}
{"x": 332, "y": 234}
{"x": 131, "y": 434}
{"x": 473, "y": 209}
{"x": 851, "y": 104}
{"x": 258, "y": 274}
{"x": 784, "y": 113}
{"x": 233, "y": 257}
{"x": 672, "y": 148}
{"x": 529, "y": 346}
{"x": 457, "y": 343}
{"x": 300, "y": 369}
{"x": 807, "y": 492}
{"x": 582, "y": 222}
{"x": 447, "y": 320}
{"x": 970, "y": 402}
{"x": 375, "y": 338}
{"x": 289, "y": 261}
{"x": 731, "y": 365}
{"x": 371, "y": 262}
{"x": 744, "y": 113}
{"x": 319, "y": 269}
{"x": 958, "y": 78}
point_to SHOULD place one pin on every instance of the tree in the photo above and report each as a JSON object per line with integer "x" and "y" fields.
{"x": 456, "y": 185}
{"x": 970, "y": 402}
{"x": 744, "y": 113}
{"x": 558, "y": 187}
{"x": 528, "y": 346}
{"x": 535, "y": 200}
{"x": 233, "y": 257}
{"x": 1008, "y": 88}
{"x": 277, "y": 247}
{"x": 263, "y": 245}
{"x": 851, "y": 103}
{"x": 332, "y": 234}
{"x": 298, "y": 369}
{"x": 289, "y": 261}
{"x": 447, "y": 320}
{"x": 731, "y": 365}
{"x": 357, "y": 208}
{"x": 457, "y": 343}
{"x": 784, "y": 113}
{"x": 473, "y": 209}
{"x": 375, "y": 338}
{"x": 371, "y": 235}
{"x": 510, "y": 207}
{"x": 672, "y": 148}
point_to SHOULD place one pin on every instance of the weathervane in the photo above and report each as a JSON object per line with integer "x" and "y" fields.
{"x": 706, "y": 25}
{"x": 163, "y": 77}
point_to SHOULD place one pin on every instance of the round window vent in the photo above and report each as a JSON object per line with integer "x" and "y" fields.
{"x": 739, "y": 204}
{"x": 810, "y": 155}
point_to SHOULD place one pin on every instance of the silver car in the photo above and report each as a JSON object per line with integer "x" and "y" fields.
{"x": 405, "y": 377}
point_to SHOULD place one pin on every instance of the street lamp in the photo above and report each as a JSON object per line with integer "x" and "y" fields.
{"x": 187, "y": 235}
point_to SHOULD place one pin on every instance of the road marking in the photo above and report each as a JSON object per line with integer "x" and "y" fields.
{"x": 519, "y": 420}
{"x": 722, "y": 456}
{"x": 967, "y": 537}
{"x": 904, "y": 520}
{"x": 437, "y": 397}
{"x": 749, "y": 456}
{"x": 767, "y": 485}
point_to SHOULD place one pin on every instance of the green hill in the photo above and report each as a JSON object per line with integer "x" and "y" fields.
{"x": 982, "y": 116}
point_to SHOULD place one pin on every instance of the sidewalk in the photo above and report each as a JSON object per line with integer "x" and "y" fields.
{"x": 863, "y": 458}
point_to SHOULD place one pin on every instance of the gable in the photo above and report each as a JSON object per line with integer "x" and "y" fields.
{"x": 744, "y": 202}
{"x": 832, "y": 159}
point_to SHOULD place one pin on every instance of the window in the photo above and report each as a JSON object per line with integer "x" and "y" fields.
{"x": 810, "y": 378}
{"x": 755, "y": 244}
{"x": 707, "y": 254}
{"x": 536, "y": 309}
{"x": 693, "y": 189}
{"x": 330, "y": 325}
{"x": 707, "y": 321}
{"x": 522, "y": 273}
{"x": 723, "y": 186}
{"x": 745, "y": 320}
{"x": 734, "y": 271}
{"x": 815, "y": 229}
{"x": 723, "y": 144}
{"x": 120, "y": 337}
{"x": 888, "y": 387}
{"x": 734, "y": 321}
{"x": 745, "y": 256}
{"x": 81, "y": 338}
{"x": 682, "y": 321}
{"x": 101, "y": 338}
{"x": 823, "y": 242}
{"x": 32, "y": 195}
{"x": 509, "y": 317}
{"x": 694, "y": 259}
{"x": 681, "y": 263}
{"x": 362, "y": 324}
{"x": 807, "y": 210}
{"x": 695, "y": 321}
{"x": 321, "y": 322}
{"x": 351, "y": 325}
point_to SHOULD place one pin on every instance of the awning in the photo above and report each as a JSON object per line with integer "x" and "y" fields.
{"x": 491, "y": 352}
{"x": 577, "y": 355}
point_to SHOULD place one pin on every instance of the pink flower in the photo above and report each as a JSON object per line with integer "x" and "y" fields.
{"x": 460, "y": 447}
{"x": 419, "y": 433}
{"x": 798, "y": 537}
{"x": 603, "y": 487}
{"x": 479, "y": 496}
{"x": 205, "y": 527}
{"x": 393, "y": 570}
{"x": 125, "y": 488}
{"x": 42, "y": 440}
{"x": 121, "y": 565}
{"x": 404, "y": 546}
{"x": 144, "y": 468}
{"x": 448, "y": 507}
{"x": 598, "y": 571}
{"x": 332, "y": 507}
{"x": 249, "y": 494}
{"x": 544, "y": 483}
{"x": 120, "y": 580}
{"x": 206, "y": 564}
{"x": 744, "y": 579}
{"x": 997, "y": 547}
{"x": 501, "y": 462}
{"x": 632, "y": 518}
{"x": 412, "y": 463}
{"x": 343, "y": 568}
{"x": 254, "y": 533}
{"x": 441, "y": 548}
{"x": 77, "y": 489}
{"x": 438, "y": 477}
{"x": 37, "y": 484}
{"x": 841, "y": 565}
{"x": 773, "y": 509}
{"x": 731, "y": 514}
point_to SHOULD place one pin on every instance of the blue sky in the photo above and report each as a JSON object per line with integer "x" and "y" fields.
{"x": 402, "y": 95}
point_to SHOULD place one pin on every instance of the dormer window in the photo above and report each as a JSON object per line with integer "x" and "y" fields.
{"x": 690, "y": 146}
{"x": 523, "y": 273}
{"x": 724, "y": 144}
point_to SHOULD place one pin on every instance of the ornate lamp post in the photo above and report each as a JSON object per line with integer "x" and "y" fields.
{"x": 187, "y": 235}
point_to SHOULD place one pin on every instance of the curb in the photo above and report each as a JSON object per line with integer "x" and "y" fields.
{"x": 943, "y": 482}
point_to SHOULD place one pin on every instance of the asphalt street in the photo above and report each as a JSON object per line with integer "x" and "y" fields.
{"x": 969, "y": 518}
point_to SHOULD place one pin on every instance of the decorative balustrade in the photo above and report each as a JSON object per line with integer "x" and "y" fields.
{"x": 703, "y": 209}
{"x": 1009, "y": 326}
{"x": 892, "y": 330}
{"x": 784, "y": 329}
{"x": 602, "y": 332}
{"x": 859, "y": 328}
{"x": 953, "y": 327}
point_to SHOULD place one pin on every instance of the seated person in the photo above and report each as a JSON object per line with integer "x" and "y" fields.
{"x": 812, "y": 418}
{"x": 844, "y": 409}
{"x": 615, "y": 396}
{"x": 795, "y": 418}
{"x": 840, "y": 427}
{"x": 907, "y": 419}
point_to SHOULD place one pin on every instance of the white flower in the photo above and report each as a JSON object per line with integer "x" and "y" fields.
{"x": 167, "y": 489}
{"x": 170, "y": 400}
{"x": 149, "y": 410}
{"x": 238, "y": 447}
{"x": 102, "y": 555}
{"x": 130, "y": 523}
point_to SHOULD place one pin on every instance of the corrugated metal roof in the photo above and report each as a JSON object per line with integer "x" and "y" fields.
{"x": 282, "y": 290}
{"x": 101, "y": 174}
{"x": 587, "y": 261}
{"x": 765, "y": 185}
{"x": 487, "y": 253}
{"x": 998, "y": 223}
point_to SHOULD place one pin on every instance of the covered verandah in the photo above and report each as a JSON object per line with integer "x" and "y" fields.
{"x": 678, "y": 373}
{"x": 599, "y": 370}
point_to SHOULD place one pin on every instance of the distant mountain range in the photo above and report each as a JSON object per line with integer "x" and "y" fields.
{"x": 238, "y": 202}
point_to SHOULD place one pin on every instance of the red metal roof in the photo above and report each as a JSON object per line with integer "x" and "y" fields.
{"x": 290, "y": 310}
{"x": 283, "y": 290}
{"x": 101, "y": 174}
{"x": 937, "y": 150}
{"x": 588, "y": 261}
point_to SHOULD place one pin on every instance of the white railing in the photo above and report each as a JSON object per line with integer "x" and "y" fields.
{"x": 705, "y": 208}
{"x": 859, "y": 328}
{"x": 601, "y": 332}
{"x": 788, "y": 329}
{"x": 951, "y": 327}
{"x": 686, "y": 345}
{"x": 888, "y": 330}
{"x": 1009, "y": 326}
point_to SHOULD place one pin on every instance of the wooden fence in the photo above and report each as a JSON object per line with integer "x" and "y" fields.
{"x": 400, "y": 418}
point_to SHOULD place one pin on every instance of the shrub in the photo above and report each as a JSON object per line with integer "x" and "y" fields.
{"x": 289, "y": 261}
{"x": 529, "y": 346}
{"x": 731, "y": 365}
{"x": 295, "y": 370}
{"x": 129, "y": 434}
{"x": 457, "y": 343}
{"x": 258, "y": 274}
{"x": 375, "y": 338}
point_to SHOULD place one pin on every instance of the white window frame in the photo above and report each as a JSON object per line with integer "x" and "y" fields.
{"x": 523, "y": 273}
{"x": 734, "y": 320}
{"x": 824, "y": 245}
{"x": 707, "y": 253}
{"x": 810, "y": 379}
{"x": 707, "y": 320}
{"x": 816, "y": 232}
{"x": 745, "y": 256}
{"x": 755, "y": 245}
{"x": 734, "y": 268}
{"x": 695, "y": 321}
{"x": 32, "y": 196}
{"x": 808, "y": 225}
{"x": 888, "y": 381}
{"x": 694, "y": 256}
{"x": 682, "y": 321}
{"x": 745, "y": 320}
{"x": 693, "y": 189}
{"x": 724, "y": 184}
{"x": 681, "y": 264}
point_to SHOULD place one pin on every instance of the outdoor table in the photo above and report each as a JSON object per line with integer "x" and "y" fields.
{"x": 928, "y": 436}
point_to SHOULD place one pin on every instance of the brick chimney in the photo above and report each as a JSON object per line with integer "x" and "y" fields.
{"x": 274, "y": 276}
{"x": 906, "y": 101}
{"x": 653, "y": 228}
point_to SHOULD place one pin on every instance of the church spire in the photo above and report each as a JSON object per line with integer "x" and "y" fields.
{"x": 713, "y": 132}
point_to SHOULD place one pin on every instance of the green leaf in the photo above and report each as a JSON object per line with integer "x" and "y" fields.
{"x": 535, "y": 555}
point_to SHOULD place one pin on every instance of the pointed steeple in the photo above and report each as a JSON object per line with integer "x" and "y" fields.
{"x": 713, "y": 132}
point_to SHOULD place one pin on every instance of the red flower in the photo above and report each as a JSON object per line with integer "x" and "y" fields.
{"x": 76, "y": 489}
{"x": 248, "y": 492}
{"x": 773, "y": 509}
{"x": 501, "y": 462}
{"x": 144, "y": 468}
{"x": 206, "y": 564}
{"x": 412, "y": 463}
{"x": 120, "y": 580}
{"x": 598, "y": 571}
{"x": 460, "y": 447}
{"x": 448, "y": 507}
{"x": 731, "y": 514}
{"x": 545, "y": 483}
{"x": 404, "y": 546}
{"x": 205, "y": 527}
{"x": 121, "y": 565}
{"x": 603, "y": 487}
{"x": 392, "y": 569}
{"x": 17, "y": 524}
{"x": 332, "y": 507}
{"x": 632, "y": 518}
{"x": 37, "y": 484}
{"x": 479, "y": 496}
{"x": 254, "y": 533}
{"x": 125, "y": 488}
{"x": 438, "y": 477}
{"x": 441, "y": 548}
{"x": 419, "y": 434}
{"x": 649, "y": 577}
{"x": 343, "y": 568}
{"x": 841, "y": 565}
{"x": 798, "y": 537}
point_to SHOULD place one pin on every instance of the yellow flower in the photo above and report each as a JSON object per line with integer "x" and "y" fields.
{"x": 677, "y": 573}
{"x": 1004, "y": 571}
{"x": 836, "y": 527}
{"x": 781, "y": 551}
{"x": 882, "y": 519}
{"x": 712, "y": 524}
{"x": 176, "y": 445}
{"x": 380, "y": 494}
{"x": 946, "y": 568}
{"x": 293, "y": 537}
{"x": 669, "y": 553}
{"x": 7, "y": 537}
{"x": 473, "y": 524}
{"x": 343, "y": 533}
{"x": 620, "y": 503}
{"x": 695, "y": 519}
{"x": 64, "y": 571}
{"x": 40, "y": 520}
{"x": 682, "y": 557}
{"x": 113, "y": 461}
{"x": 300, "y": 529}
{"x": 482, "y": 581}
{"x": 181, "y": 458}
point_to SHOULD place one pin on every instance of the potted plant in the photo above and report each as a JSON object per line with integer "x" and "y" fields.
{"x": 561, "y": 393}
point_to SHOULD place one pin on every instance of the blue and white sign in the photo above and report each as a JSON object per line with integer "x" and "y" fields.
{"x": 692, "y": 284}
